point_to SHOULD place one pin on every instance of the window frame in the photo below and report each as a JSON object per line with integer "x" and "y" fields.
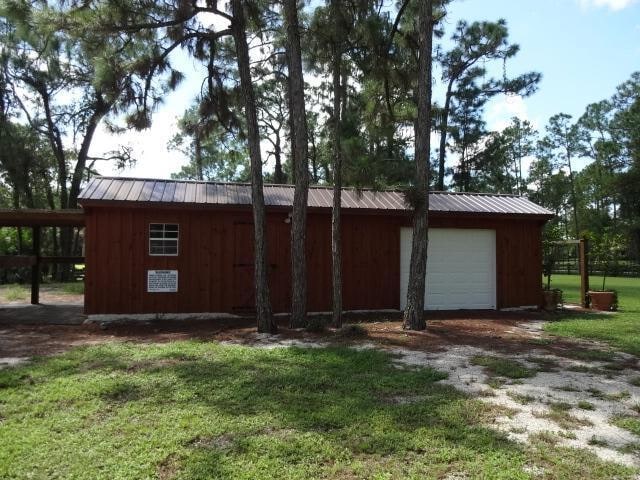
{"x": 164, "y": 239}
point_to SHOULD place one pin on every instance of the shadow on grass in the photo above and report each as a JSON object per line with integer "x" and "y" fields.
{"x": 216, "y": 411}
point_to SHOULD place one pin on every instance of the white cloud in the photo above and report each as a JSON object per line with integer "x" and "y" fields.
{"x": 502, "y": 109}
{"x": 615, "y": 5}
{"x": 149, "y": 148}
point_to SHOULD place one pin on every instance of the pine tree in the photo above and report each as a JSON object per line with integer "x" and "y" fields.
{"x": 519, "y": 138}
{"x": 71, "y": 78}
{"x": 215, "y": 152}
{"x": 264, "y": 315}
{"x": 474, "y": 44}
{"x": 565, "y": 140}
{"x": 301, "y": 167}
{"x": 414, "y": 311}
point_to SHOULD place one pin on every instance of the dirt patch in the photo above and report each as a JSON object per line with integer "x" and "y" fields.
{"x": 548, "y": 404}
{"x": 501, "y": 332}
{"x": 23, "y": 341}
{"x": 42, "y": 314}
{"x": 48, "y": 295}
{"x": 169, "y": 468}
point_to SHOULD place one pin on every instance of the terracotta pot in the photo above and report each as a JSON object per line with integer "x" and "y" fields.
{"x": 602, "y": 300}
{"x": 551, "y": 299}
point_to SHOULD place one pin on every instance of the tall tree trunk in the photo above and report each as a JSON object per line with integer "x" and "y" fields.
{"x": 263, "y": 304}
{"x": 464, "y": 184}
{"x": 377, "y": 147}
{"x": 328, "y": 174}
{"x": 101, "y": 109}
{"x": 55, "y": 140}
{"x": 291, "y": 121}
{"x": 27, "y": 187}
{"x": 20, "y": 241}
{"x": 54, "y": 230}
{"x": 343, "y": 91}
{"x": 197, "y": 146}
{"x": 574, "y": 199}
{"x": 16, "y": 205}
{"x": 70, "y": 199}
{"x": 278, "y": 174}
{"x": 336, "y": 221}
{"x": 414, "y": 312}
{"x": 76, "y": 244}
{"x": 442, "y": 154}
{"x": 66, "y": 249}
{"x": 339, "y": 94}
{"x": 520, "y": 183}
{"x": 301, "y": 168}
{"x": 314, "y": 158}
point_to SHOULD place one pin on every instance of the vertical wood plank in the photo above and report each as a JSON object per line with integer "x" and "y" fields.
{"x": 36, "y": 267}
{"x": 138, "y": 250}
{"x": 216, "y": 273}
{"x": 88, "y": 267}
{"x": 126, "y": 259}
{"x": 115, "y": 253}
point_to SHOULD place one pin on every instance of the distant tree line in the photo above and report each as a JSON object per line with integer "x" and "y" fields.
{"x": 587, "y": 171}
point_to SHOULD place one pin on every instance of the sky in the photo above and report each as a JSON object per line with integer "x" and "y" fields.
{"x": 583, "y": 48}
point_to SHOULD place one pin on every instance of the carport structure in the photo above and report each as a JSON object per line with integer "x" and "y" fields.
{"x": 36, "y": 220}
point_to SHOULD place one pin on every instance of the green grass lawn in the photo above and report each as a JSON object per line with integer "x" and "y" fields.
{"x": 22, "y": 292}
{"x": 14, "y": 292}
{"x": 621, "y": 330}
{"x": 200, "y": 410}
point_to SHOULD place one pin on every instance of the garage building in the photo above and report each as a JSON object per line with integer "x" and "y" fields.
{"x": 172, "y": 246}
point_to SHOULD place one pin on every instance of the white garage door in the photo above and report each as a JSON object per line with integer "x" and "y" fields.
{"x": 461, "y": 268}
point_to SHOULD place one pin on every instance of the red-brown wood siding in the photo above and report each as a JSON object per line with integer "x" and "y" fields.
{"x": 216, "y": 254}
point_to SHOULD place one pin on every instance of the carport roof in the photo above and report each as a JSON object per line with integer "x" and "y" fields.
{"x": 29, "y": 217}
{"x": 152, "y": 192}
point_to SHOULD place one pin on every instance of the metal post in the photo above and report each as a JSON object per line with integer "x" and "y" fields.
{"x": 35, "y": 268}
{"x": 584, "y": 272}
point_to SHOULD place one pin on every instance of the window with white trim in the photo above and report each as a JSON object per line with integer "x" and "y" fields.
{"x": 163, "y": 239}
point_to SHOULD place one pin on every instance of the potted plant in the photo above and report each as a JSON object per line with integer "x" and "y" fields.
{"x": 551, "y": 235}
{"x": 604, "y": 252}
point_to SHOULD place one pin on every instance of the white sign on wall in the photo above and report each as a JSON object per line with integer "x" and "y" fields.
{"x": 162, "y": 281}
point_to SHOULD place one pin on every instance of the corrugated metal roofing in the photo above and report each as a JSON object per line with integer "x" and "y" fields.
{"x": 115, "y": 189}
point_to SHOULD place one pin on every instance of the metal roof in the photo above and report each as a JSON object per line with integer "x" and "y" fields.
{"x": 154, "y": 191}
